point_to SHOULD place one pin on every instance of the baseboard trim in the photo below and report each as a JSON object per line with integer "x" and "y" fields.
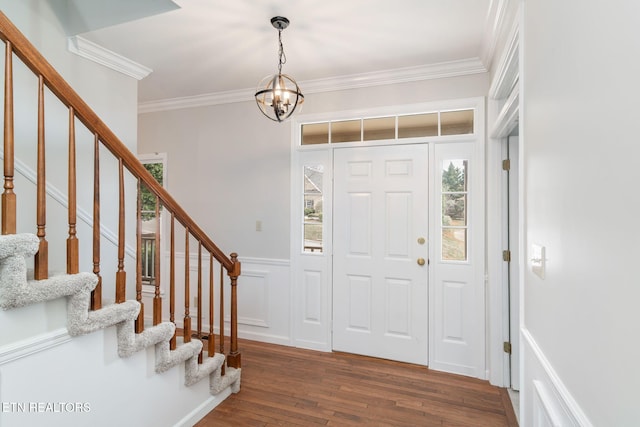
{"x": 267, "y": 338}
{"x": 451, "y": 368}
{"x": 35, "y": 344}
{"x": 559, "y": 389}
{"x": 313, "y": 345}
{"x": 203, "y": 409}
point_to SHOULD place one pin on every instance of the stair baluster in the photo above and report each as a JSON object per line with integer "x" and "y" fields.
{"x": 221, "y": 351}
{"x": 121, "y": 275}
{"x": 211, "y": 347}
{"x": 140, "y": 319}
{"x": 8, "y": 196}
{"x": 41, "y": 265}
{"x": 73, "y": 254}
{"x": 172, "y": 280}
{"x": 186, "y": 327}
{"x": 96, "y": 294}
{"x": 157, "y": 299}
{"x": 199, "y": 320}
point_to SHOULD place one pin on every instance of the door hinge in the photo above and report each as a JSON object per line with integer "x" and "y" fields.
{"x": 506, "y": 256}
{"x": 506, "y": 165}
{"x": 506, "y": 346}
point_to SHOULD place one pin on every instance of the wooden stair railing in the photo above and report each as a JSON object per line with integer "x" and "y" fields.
{"x": 16, "y": 44}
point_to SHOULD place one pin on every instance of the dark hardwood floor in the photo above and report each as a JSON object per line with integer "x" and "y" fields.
{"x": 284, "y": 386}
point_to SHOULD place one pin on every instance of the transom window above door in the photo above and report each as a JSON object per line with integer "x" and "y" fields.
{"x": 399, "y": 127}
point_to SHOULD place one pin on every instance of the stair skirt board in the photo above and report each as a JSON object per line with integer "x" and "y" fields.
{"x": 209, "y": 405}
{"x": 16, "y": 290}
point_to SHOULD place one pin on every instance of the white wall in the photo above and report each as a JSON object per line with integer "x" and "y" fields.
{"x": 118, "y": 108}
{"x": 579, "y": 132}
{"x": 87, "y": 370}
{"x": 229, "y": 167}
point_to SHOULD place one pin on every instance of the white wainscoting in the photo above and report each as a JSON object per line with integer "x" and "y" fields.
{"x": 544, "y": 399}
{"x": 264, "y": 301}
{"x": 264, "y": 297}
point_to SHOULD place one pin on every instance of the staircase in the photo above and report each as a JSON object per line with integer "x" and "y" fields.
{"x": 17, "y": 291}
{"x": 27, "y": 277}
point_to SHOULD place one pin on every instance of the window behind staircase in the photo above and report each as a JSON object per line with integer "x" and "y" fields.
{"x": 155, "y": 164}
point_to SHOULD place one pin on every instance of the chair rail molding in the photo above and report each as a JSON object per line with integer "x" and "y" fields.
{"x": 34, "y": 344}
{"x": 554, "y": 398}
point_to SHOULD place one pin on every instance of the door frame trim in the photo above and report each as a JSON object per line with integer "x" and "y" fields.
{"x": 502, "y": 117}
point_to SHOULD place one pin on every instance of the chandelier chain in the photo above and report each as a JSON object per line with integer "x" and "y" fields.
{"x": 282, "y": 58}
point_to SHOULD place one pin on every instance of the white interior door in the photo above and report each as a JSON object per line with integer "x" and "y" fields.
{"x": 380, "y": 252}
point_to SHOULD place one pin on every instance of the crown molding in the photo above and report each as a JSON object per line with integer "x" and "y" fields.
{"x": 204, "y": 100}
{"x": 508, "y": 72}
{"x": 353, "y": 81}
{"x": 495, "y": 22}
{"x": 96, "y": 53}
{"x": 396, "y": 76}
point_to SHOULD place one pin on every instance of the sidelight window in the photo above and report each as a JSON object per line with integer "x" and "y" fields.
{"x": 313, "y": 203}
{"x": 454, "y": 209}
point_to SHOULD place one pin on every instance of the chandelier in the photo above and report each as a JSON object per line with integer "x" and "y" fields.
{"x": 279, "y": 95}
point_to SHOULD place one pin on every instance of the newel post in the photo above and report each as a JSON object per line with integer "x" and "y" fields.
{"x": 233, "y": 359}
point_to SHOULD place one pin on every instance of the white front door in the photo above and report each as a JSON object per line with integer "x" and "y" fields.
{"x": 380, "y": 252}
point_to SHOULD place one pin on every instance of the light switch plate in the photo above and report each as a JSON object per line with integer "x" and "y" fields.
{"x": 538, "y": 261}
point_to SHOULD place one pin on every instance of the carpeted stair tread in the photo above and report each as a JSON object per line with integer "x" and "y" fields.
{"x": 167, "y": 358}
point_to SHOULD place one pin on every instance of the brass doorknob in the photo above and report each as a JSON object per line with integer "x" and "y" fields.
{"x": 421, "y": 261}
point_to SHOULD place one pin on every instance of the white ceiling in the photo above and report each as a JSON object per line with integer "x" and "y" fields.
{"x": 214, "y": 46}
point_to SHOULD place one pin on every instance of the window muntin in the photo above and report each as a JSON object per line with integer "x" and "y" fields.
{"x": 454, "y": 215}
{"x": 313, "y": 208}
